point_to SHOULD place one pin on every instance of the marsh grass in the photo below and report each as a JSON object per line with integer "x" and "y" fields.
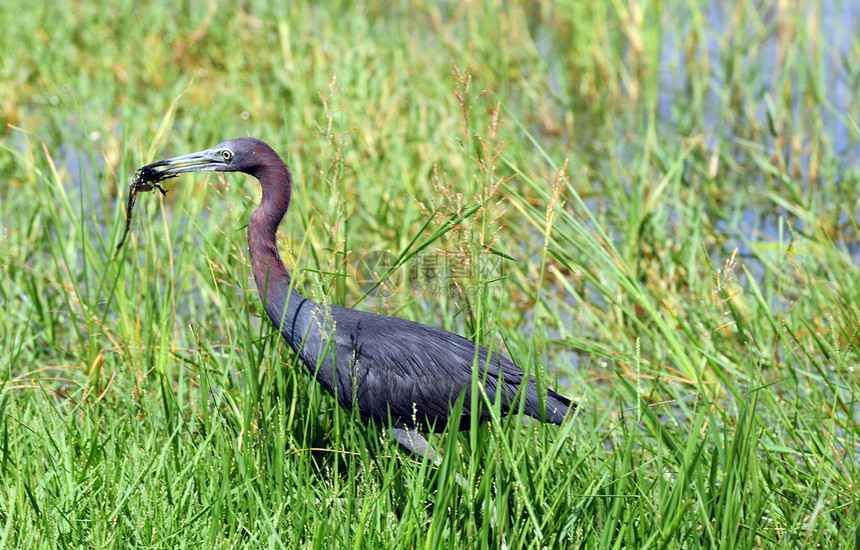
{"x": 670, "y": 190}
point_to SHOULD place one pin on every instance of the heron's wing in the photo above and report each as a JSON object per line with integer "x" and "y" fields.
{"x": 414, "y": 372}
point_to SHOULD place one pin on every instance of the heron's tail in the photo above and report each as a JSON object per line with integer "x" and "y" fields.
{"x": 558, "y": 408}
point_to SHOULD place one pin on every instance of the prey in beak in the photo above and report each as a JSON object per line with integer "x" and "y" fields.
{"x": 149, "y": 177}
{"x": 145, "y": 179}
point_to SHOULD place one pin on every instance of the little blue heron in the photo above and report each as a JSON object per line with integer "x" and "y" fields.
{"x": 398, "y": 372}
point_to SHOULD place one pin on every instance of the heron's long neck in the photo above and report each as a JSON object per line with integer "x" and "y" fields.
{"x": 270, "y": 273}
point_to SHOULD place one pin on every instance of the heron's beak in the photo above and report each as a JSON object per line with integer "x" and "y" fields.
{"x": 202, "y": 161}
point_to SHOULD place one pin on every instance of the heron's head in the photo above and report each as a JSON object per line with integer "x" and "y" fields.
{"x": 245, "y": 154}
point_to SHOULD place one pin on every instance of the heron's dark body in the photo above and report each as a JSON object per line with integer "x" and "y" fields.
{"x": 399, "y": 370}
{"x": 392, "y": 369}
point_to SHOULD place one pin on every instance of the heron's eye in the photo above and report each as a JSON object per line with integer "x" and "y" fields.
{"x": 227, "y": 154}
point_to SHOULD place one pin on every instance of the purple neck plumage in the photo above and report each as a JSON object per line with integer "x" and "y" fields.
{"x": 270, "y": 273}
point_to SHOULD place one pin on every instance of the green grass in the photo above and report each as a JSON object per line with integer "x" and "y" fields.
{"x": 583, "y": 175}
